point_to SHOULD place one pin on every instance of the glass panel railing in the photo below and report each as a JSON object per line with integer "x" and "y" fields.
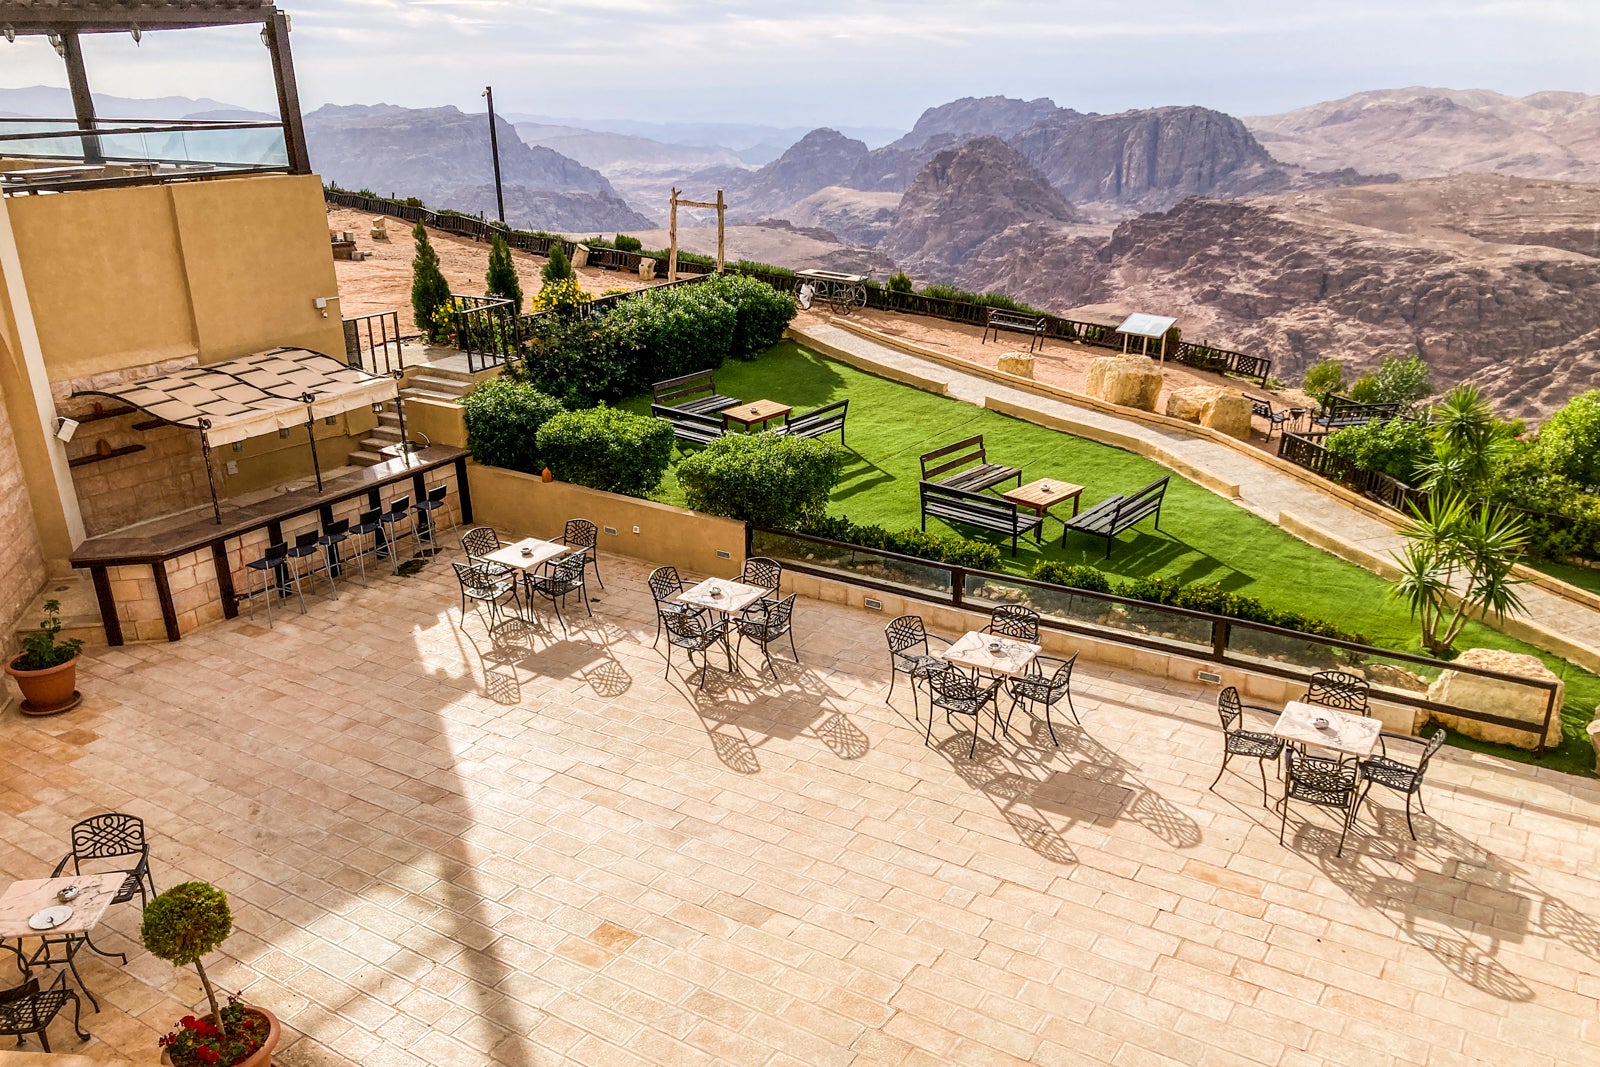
{"x": 914, "y": 576}
{"x": 1145, "y": 621}
{"x": 39, "y": 154}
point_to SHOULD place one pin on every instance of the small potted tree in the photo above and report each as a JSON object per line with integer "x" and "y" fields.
{"x": 47, "y": 670}
{"x": 181, "y": 926}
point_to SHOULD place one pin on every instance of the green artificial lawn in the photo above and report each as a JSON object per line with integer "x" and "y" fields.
{"x": 1203, "y": 538}
{"x": 1585, "y": 578}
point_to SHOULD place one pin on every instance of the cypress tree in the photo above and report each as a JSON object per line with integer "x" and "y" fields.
{"x": 501, "y": 281}
{"x": 429, "y": 290}
{"x": 559, "y": 266}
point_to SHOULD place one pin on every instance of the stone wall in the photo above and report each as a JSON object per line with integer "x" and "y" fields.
{"x": 22, "y": 569}
{"x": 166, "y": 477}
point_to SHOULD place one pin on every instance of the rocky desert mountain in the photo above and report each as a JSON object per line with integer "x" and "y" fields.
{"x": 1421, "y": 132}
{"x": 964, "y": 197}
{"x": 821, "y": 158}
{"x": 442, "y": 156}
{"x": 854, "y": 217}
{"x": 1435, "y": 267}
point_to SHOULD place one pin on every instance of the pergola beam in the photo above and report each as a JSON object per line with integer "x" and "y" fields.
{"x": 82, "y": 99}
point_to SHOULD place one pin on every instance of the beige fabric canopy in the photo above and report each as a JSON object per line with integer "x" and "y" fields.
{"x": 256, "y": 395}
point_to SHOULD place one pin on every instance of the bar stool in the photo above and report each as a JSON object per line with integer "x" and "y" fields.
{"x": 399, "y": 511}
{"x": 424, "y": 520}
{"x": 334, "y": 535}
{"x": 273, "y": 566}
{"x": 368, "y": 525}
{"x": 309, "y": 560}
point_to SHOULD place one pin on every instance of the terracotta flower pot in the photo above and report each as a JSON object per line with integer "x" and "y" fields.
{"x": 48, "y": 691}
{"x": 546, "y": 475}
{"x": 261, "y": 1057}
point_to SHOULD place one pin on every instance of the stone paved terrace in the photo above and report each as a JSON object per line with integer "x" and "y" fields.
{"x": 442, "y": 855}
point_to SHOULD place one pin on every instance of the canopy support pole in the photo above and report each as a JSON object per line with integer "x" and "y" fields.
{"x": 211, "y": 482}
{"x": 311, "y": 433}
{"x": 400, "y": 410}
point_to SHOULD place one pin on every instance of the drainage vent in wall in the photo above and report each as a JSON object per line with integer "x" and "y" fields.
{"x": 612, "y": 530}
{"x": 724, "y": 555}
{"x": 1209, "y": 676}
{"x": 871, "y": 603}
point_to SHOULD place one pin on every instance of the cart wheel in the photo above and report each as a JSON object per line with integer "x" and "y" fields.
{"x": 861, "y": 296}
{"x": 843, "y": 304}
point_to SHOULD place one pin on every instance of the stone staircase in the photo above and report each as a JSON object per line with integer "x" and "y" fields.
{"x": 432, "y": 383}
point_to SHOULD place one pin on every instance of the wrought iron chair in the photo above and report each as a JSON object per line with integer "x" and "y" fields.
{"x": 953, "y": 692}
{"x": 1400, "y": 776}
{"x": 1014, "y": 621}
{"x": 766, "y": 621}
{"x": 27, "y": 1009}
{"x": 694, "y": 634}
{"x": 310, "y": 560}
{"x": 112, "y": 836}
{"x": 665, "y": 584}
{"x": 276, "y": 573}
{"x": 478, "y": 543}
{"x": 1327, "y": 783}
{"x": 399, "y": 513}
{"x": 1038, "y": 688}
{"x": 581, "y": 533}
{"x": 1339, "y": 690}
{"x": 1237, "y": 741}
{"x": 909, "y": 654}
{"x": 762, "y": 573}
{"x": 560, "y": 578}
{"x": 480, "y": 585}
{"x": 1276, "y": 417}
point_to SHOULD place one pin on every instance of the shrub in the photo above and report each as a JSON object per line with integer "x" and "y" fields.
{"x": 937, "y": 548}
{"x": 1401, "y": 380}
{"x": 1153, "y": 589}
{"x": 40, "y": 649}
{"x": 676, "y": 331}
{"x": 762, "y": 478}
{"x": 558, "y": 266}
{"x": 186, "y": 923}
{"x": 564, "y": 296}
{"x": 900, "y": 282}
{"x": 501, "y": 280}
{"x": 429, "y": 290}
{"x": 761, "y": 313}
{"x": 624, "y": 243}
{"x": 503, "y": 418}
{"x": 752, "y": 266}
{"x": 1399, "y": 447}
{"x": 1570, "y": 442}
{"x": 608, "y": 449}
{"x": 994, "y": 300}
{"x": 964, "y": 552}
{"x": 578, "y": 359}
{"x": 1073, "y": 575}
{"x": 1364, "y": 390}
{"x": 1324, "y": 379}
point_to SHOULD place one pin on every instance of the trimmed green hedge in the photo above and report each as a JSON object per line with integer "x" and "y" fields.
{"x": 1208, "y": 597}
{"x": 608, "y": 449}
{"x": 762, "y": 478}
{"x": 938, "y": 548}
{"x": 503, "y": 418}
{"x": 761, "y": 312}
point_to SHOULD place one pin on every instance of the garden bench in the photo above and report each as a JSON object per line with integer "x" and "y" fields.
{"x": 816, "y": 423}
{"x": 1016, "y": 322}
{"x": 978, "y": 509}
{"x": 949, "y": 472}
{"x": 695, "y": 392}
{"x": 692, "y": 426}
{"x": 1340, "y": 412}
{"x": 1115, "y": 514}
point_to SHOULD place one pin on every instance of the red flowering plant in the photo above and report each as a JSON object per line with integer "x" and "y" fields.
{"x": 199, "y": 1043}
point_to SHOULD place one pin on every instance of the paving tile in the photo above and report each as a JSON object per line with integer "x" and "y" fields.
{"x": 615, "y": 868}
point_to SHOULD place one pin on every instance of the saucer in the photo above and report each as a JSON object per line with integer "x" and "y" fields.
{"x": 49, "y": 918}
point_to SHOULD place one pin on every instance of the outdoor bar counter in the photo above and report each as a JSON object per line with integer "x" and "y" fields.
{"x": 172, "y": 581}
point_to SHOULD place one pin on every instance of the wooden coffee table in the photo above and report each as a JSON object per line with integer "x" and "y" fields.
{"x": 1042, "y": 495}
{"x": 747, "y": 415}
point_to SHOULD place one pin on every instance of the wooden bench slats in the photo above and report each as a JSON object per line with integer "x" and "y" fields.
{"x": 824, "y": 420}
{"x": 976, "y": 509}
{"x": 983, "y": 476}
{"x": 1116, "y": 514}
{"x": 696, "y": 393}
{"x": 687, "y": 425}
{"x": 998, "y": 319}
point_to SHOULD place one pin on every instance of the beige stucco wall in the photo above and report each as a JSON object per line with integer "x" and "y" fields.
{"x": 521, "y": 504}
{"x": 122, "y": 278}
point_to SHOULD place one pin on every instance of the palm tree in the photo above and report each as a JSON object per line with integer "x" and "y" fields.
{"x": 1455, "y": 539}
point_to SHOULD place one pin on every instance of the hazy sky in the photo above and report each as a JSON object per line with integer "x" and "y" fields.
{"x": 853, "y": 62}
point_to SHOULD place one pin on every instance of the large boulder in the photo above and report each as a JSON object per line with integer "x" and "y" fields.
{"x": 1496, "y": 697}
{"x": 1018, "y": 363}
{"x": 1128, "y": 381}
{"x": 1211, "y": 405}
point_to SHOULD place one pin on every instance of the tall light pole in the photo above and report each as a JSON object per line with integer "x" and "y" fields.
{"x": 494, "y": 150}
